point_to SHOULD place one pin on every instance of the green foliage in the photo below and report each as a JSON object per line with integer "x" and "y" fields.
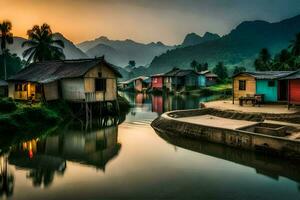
{"x": 131, "y": 63}
{"x": 123, "y": 104}
{"x": 238, "y": 70}
{"x": 284, "y": 61}
{"x": 194, "y": 65}
{"x": 7, "y": 105}
{"x": 295, "y": 46}
{"x": 202, "y": 67}
{"x": 13, "y": 64}
{"x": 42, "y": 45}
{"x": 221, "y": 71}
{"x": 27, "y": 119}
{"x": 263, "y": 62}
{"x": 6, "y": 36}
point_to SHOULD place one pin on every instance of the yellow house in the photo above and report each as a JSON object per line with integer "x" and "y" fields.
{"x": 83, "y": 80}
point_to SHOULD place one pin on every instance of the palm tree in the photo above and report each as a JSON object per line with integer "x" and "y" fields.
{"x": 264, "y": 60}
{"x": 6, "y": 38}
{"x": 295, "y": 46}
{"x": 42, "y": 45}
{"x": 194, "y": 65}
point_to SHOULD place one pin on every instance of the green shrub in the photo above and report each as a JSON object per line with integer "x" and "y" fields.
{"x": 7, "y": 105}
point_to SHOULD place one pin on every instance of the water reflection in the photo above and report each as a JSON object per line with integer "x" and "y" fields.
{"x": 163, "y": 103}
{"x": 46, "y": 157}
{"x": 6, "y": 177}
{"x": 264, "y": 165}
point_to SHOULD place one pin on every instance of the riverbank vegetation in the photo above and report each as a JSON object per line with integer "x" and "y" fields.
{"x": 23, "y": 118}
{"x": 221, "y": 88}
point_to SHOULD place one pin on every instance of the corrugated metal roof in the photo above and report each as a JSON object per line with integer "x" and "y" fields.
{"x": 208, "y": 73}
{"x": 179, "y": 72}
{"x": 3, "y": 83}
{"x": 48, "y": 71}
{"x": 267, "y": 74}
{"x": 295, "y": 75}
{"x": 133, "y": 79}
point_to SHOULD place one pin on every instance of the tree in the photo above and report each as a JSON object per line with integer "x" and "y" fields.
{"x": 131, "y": 63}
{"x": 263, "y": 62}
{"x": 205, "y": 66}
{"x": 6, "y": 38}
{"x": 42, "y": 45}
{"x": 284, "y": 61}
{"x": 295, "y": 46}
{"x": 221, "y": 71}
{"x": 238, "y": 70}
{"x": 13, "y": 64}
{"x": 194, "y": 65}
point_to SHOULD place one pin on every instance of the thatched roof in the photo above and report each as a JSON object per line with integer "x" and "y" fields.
{"x": 48, "y": 71}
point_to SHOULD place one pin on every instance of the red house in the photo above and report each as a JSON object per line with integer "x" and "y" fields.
{"x": 157, "y": 82}
{"x": 293, "y": 88}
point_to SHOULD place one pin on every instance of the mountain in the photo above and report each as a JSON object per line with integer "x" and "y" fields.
{"x": 241, "y": 45}
{"x": 70, "y": 50}
{"x": 194, "y": 39}
{"x": 120, "y": 52}
{"x": 16, "y": 47}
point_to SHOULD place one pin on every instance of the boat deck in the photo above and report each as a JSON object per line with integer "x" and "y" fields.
{"x": 217, "y": 122}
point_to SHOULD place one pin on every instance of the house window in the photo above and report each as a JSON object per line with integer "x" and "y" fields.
{"x": 100, "y": 85}
{"x": 99, "y": 74}
{"x": 271, "y": 83}
{"x": 155, "y": 80}
{"x": 20, "y": 87}
{"x": 242, "y": 85}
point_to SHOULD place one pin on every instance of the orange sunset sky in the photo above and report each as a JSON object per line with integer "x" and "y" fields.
{"x": 141, "y": 20}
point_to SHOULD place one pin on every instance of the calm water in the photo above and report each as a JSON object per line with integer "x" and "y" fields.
{"x": 131, "y": 161}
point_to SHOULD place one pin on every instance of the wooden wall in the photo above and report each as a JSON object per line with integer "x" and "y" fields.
{"x": 51, "y": 91}
{"x": 73, "y": 89}
{"x": 250, "y": 86}
{"x": 111, "y": 83}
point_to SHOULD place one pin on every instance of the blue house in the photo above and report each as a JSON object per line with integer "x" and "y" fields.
{"x": 207, "y": 78}
{"x": 268, "y": 83}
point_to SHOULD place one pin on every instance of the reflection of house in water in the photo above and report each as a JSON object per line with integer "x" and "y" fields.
{"x": 44, "y": 158}
{"x": 166, "y": 103}
{"x": 95, "y": 148}
{"x": 271, "y": 167}
{"x": 30, "y": 155}
{"x": 6, "y": 178}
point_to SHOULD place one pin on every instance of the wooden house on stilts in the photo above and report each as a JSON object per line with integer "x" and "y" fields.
{"x": 85, "y": 82}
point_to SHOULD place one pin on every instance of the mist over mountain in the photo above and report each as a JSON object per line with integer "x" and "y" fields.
{"x": 193, "y": 39}
{"x": 16, "y": 46}
{"x": 120, "y": 52}
{"x": 241, "y": 45}
{"x": 70, "y": 50}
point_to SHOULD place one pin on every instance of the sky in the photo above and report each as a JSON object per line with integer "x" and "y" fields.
{"x": 144, "y": 21}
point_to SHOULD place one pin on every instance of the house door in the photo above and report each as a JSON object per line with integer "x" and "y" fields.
{"x": 283, "y": 90}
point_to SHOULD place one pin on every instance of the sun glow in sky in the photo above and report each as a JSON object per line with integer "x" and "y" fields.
{"x": 141, "y": 20}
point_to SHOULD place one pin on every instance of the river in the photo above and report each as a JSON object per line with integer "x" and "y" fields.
{"x": 132, "y": 161}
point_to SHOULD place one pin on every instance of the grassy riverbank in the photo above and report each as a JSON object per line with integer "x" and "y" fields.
{"x": 223, "y": 88}
{"x": 16, "y": 117}
{"x": 22, "y": 118}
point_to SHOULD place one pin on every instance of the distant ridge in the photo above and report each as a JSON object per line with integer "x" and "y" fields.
{"x": 194, "y": 39}
{"x": 239, "y": 47}
{"x": 121, "y": 52}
